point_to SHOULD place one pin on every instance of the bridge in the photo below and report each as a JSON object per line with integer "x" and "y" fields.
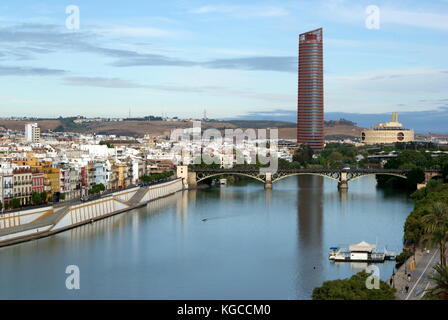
{"x": 191, "y": 177}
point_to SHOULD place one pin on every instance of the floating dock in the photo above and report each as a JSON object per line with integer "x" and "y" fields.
{"x": 361, "y": 252}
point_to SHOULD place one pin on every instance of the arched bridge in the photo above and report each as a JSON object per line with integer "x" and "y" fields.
{"x": 342, "y": 176}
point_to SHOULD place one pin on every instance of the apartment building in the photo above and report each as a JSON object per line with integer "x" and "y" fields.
{"x": 22, "y": 184}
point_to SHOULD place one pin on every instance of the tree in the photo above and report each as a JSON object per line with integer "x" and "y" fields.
{"x": 410, "y": 159}
{"x": 36, "y": 198}
{"x": 102, "y": 142}
{"x": 439, "y": 279}
{"x": 43, "y": 197}
{"x": 436, "y": 228}
{"x": 353, "y": 288}
{"x": 445, "y": 171}
{"x": 1, "y": 205}
{"x": 415, "y": 176}
{"x": 157, "y": 176}
{"x": 15, "y": 203}
{"x": 304, "y": 155}
{"x": 97, "y": 188}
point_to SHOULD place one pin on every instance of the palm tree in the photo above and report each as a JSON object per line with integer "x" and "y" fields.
{"x": 436, "y": 227}
{"x": 440, "y": 281}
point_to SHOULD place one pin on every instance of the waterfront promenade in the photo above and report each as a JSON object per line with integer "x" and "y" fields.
{"x": 64, "y": 216}
{"x": 424, "y": 263}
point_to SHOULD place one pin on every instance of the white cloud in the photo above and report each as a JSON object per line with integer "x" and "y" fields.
{"x": 140, "y": 32}
{"x": 386, "y": 90}
{"x": 100, "y": 82}
{"x": 355, "y": 13}
{"x": 415, "y": 19}
{"x": 243, "y": 10}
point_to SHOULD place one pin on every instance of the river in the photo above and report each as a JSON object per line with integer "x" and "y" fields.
{"x": 235, "y": 242}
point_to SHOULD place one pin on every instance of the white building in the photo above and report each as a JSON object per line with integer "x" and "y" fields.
{"x": 32, "y": 133}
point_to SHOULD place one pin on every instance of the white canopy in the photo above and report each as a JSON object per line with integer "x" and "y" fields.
{"x": 362, "y": 247}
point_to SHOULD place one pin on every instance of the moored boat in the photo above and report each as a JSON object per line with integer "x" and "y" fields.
{"x": 361, "y": 252}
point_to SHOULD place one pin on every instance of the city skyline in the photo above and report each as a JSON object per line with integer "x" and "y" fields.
{"x": 180, "y": 58}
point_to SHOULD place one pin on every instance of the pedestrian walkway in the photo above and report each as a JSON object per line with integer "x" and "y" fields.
{"x": 419, "y": 279}
{"x": 44, "y": 222}
{"x": 138, "y": 196}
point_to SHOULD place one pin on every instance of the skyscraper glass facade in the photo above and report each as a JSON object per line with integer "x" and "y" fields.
{"x": 310, "y": 113}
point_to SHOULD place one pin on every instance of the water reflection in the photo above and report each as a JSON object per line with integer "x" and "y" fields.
{"x": 237, "y": 242}
{"x": 309, "y": 231}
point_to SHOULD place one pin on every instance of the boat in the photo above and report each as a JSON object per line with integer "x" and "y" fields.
{"x": 360, "y": 252}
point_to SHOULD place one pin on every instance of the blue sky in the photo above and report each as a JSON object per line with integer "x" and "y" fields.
{"x": 231, "y": 58}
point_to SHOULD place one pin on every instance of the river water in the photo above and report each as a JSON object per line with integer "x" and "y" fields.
{"x": 235, "y": 242}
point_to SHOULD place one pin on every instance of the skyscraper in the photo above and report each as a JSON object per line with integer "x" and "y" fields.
{"x": 310, "y": 104}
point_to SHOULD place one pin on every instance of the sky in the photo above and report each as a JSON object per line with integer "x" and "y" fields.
{"x": 230, "y": 58}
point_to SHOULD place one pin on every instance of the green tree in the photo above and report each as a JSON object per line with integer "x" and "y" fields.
{"x": 444, "y": 169}
{"x": 284, "y": 164}
{"x": 157, "y": 176}
{"x": 353, "y": 288}
{"x": 97, "y": 188}
{"x": 43, "y": 197}
{"x": 36, "y": 198}
{"x": 304, "y": 155}
{"x": 439, "y": 281}
{"x": 410, "y": 159}
{"x": 15, "y": 203}
{"x": 415, "y": 176}
{"x": 436, "y": 228}
{"x": 102, "y": 142}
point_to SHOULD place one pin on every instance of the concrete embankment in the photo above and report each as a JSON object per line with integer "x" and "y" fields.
{"x": 41, "y": 222}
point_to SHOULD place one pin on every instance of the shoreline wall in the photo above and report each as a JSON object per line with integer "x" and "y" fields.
{"x": 17, "y": 218}
{"x": 41, "y": 222}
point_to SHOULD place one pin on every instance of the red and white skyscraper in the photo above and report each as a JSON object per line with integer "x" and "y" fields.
{"x": 310, "y": 104}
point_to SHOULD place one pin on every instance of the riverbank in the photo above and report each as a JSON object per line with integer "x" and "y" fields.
{"x": 33, "y": 224}
{"x": 423, "y": 261}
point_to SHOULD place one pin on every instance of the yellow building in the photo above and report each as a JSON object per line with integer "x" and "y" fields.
{"x": 51, "y": 179}
{"x": 30, "y": 161}
{"x": 119, "y": 171}
{"x": 51, "y": 175}
{"x": 387, "y": 132}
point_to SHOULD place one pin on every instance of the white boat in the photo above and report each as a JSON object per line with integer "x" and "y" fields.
{"x": 361, "y": 252}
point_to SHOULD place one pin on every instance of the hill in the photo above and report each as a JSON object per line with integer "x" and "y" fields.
{"x": 287, "y": 130}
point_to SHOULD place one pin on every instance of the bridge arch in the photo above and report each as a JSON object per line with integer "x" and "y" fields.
{"x": 328, "y": 176}
{"x": 374, "y": 174}
{"x": 201, "y": 178}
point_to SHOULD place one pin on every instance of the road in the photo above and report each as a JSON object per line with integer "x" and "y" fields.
{"x": 419, "y": 276}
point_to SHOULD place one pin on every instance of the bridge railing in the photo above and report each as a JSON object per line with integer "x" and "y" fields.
{"x": 306, "y": 170}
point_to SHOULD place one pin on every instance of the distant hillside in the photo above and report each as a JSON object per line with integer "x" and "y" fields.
{"x": 287, "y": 130}
{"x": 428, "y": 121}
{"x": 257, "y": 124}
